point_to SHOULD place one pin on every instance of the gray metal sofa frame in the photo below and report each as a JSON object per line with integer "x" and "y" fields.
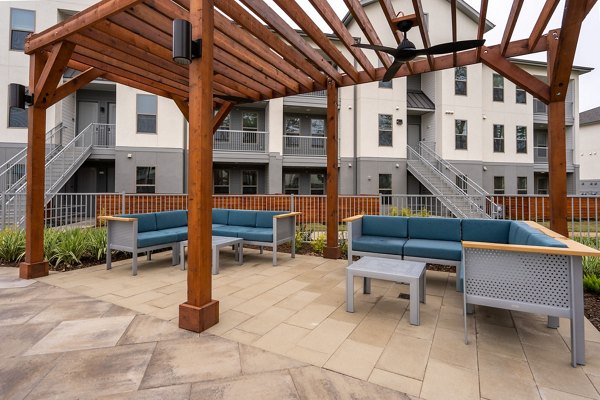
{"x": 284, "y": 230}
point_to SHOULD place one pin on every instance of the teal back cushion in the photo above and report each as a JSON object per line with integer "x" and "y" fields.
{"x": 146, "y": 222}
{"x": 220, "y": 216}
{"x": 518, "y": 233}
{"x": 434, "y": 228}
{"x": 242, "y": 218}
{"x": 171, "y": 219}
{"x": 385, "y": 226}
{"x": 541, "y": 239}
{"x": 485, "y": 230}
{"x": 264, "y": 219}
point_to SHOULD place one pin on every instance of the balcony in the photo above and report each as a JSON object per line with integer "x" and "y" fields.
{"x": 540, "y": 158}
{"x": 540, "y": 112}
{"x": 240, "y": 141}
{"x": 312, "y": 99}
{"x": 304, "y": 146}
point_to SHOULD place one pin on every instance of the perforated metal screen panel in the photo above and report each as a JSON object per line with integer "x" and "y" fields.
{"x": 541, "y": 279}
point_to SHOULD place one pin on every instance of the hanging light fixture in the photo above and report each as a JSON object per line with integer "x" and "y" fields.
{"x": 184, "y": 48}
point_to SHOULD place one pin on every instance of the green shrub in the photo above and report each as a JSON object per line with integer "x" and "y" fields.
{"x": 344, "y": 248}
{"x": 97, "y": 240}
{"x": 51, "y": 238}
{"x": 318, "y": 245}
{"x": 299, "y": 239}
{"x": 71, "y": 247}
{"x": 591, "y": 284}
{"x": 406, "y": 212}
{"x": 12, "y": 245}
{"x": 591, "y": 265}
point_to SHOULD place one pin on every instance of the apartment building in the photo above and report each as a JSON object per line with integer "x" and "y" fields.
{"x": 489, "y": 135}
{"x": 589, "y": 154}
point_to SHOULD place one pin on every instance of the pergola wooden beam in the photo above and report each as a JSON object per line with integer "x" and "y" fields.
{"x": 220, "y": 116}
{"x": 515, "y": 10}
{"x": 423, "y": 30}
{"x": 74, "y": 84}
{"x": 542, "y": 22}
{"x": 52, "y": 73}
{"x": 84, "y": 19}
{"x": 365, "y": 25}
{"x": 453, "y": 23}
{"x": 314, "y": 32}
{"x": 339, "y": 29}
{"x": 481, "y": 26}
{"x": 390, "y": 14}
{"x": 332, "y": 248}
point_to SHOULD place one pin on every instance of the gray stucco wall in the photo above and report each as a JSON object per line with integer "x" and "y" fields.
{"x": 168, "y": 163}
{"x": 484, "y": 173}
{"x": 370, "y": 168}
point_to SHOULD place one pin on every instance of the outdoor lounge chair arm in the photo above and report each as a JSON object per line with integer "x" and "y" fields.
{"x": 111, "y": 218}
{"x": 353, "y": 218}
{"x": 287, "y": 215}
{"x": 573, "y": 249}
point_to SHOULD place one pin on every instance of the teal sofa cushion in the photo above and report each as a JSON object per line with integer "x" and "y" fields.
{"x": 378, "y": 244}
{"x": 220, "y": 216}
{"x": 181, "y": 232}
{"x": 227, "y": 231}
{"x": 264, "y": 219}
{"x": 485, "y": 230}
{"x": 385, "y": 226}
{"x": 435, "y": 249}
{"x": 541, "y": 239}
{"x": 242, "y": 218}
{"x": 153, "y": 238}
{"x": 171, "y": 219}
{"x": 434, "y": 228}
{"x": 519, "y": 232}
{"x": 146, "y": 222}
{"x": 256, "y": 234}
{"x": 217, "y": 226}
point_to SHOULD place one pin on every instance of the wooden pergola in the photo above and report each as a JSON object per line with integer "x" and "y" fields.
{"x": 130, "y": 41}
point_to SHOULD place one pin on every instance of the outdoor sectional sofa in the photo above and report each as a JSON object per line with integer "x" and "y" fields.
{"x": 139, "y": 233}
{"x": 514, "y": 265}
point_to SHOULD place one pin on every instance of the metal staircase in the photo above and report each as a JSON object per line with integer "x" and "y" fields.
{"x": 61, "y": 163}
{"x": 440, "y": 177}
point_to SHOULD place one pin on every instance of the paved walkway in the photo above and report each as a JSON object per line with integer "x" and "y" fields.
{"x": 56, "y": 344}
{"x": 297, "y": 310}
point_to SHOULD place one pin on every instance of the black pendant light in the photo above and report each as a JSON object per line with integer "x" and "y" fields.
{"x": 184, "y": 48}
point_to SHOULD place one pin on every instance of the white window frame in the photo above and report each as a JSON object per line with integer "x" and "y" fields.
{"x": 137, "y": 114}
{"x": 145, "y": 185}
{"x": 228, "y": 177}
{"x": 255, "y": 186}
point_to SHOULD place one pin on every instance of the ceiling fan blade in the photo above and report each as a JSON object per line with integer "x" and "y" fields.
{"x": 234, "y": 99}
{"x": 451, "y": 47}
{"x": 388, "y": 50}
{"x": 389, "y": 74}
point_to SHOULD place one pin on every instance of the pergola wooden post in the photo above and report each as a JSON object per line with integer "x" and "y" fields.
{"x": 200, "y": 312}
{"x": 34, "y": 265}
{"x": 332, "y": 250}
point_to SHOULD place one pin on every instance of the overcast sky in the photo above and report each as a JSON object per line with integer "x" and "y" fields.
{"x": 587, "y": 55}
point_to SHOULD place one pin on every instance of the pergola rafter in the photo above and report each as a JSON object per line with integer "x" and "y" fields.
{"x": 129, "y": 42}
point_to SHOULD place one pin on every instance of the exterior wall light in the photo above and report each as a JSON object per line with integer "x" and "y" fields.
{"x": 184, "y": 48}
{"x": 18, "y": 97}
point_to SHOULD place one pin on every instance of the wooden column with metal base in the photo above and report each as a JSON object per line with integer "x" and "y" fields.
{"x": 34, "y": 265}
{"x": 200, "y": 312}
{"x": 332, "y": 250}
{"x": 557, "y": 167}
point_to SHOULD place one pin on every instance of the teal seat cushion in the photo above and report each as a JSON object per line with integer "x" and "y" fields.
{"x": 434, "y": 228}
{"x": 540, "y": 239}
{"x": 220, "y": 216}
{"x": 485, "y": 230}
{"x": 171, "y": 219}
{"x": 146, "y": 222}
{"x": 180, "y": 231}
{"x": 518, "y": 233}
{"x": 378, "y": 244}
{"x": 242, "y": 218}
{"x": 153, "y": 238}
{"x": 264, "y": 219}
{"x": 385, "y": 226}
{"x": 256, "y": 234}
{"x": 435, "y": 249}
{"x": 217, "y": 225}
{"x": 228, "y": 231}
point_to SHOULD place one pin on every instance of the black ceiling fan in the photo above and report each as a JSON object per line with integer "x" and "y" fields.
{"x": 406, "y": 50}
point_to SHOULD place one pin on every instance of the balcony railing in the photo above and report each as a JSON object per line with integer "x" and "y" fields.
{"x": 540, "y": 155}
{"x": 242, "y": 141}
{"x": 311, "y": 146}
{"x": 540, "y": 110}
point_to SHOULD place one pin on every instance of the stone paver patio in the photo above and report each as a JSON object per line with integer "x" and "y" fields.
{"x": 277, "y": 325}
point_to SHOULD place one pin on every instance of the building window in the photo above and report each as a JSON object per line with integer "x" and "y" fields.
{"x": 222, "y": 134}
{"x": 498, "y": 138}
{"x": 145, "y": 180}
{"x": 146, "y": 113}
{"x": 291, "y": 183}
{"x": 292, "y": 128}
{"x": 221, "y": 181}
{"x": 317, "y": 184}
{"x": 521, "y": 96}
{"x": 498, "y": 87}
{"x": 460, "y": 81}
{"x": 542, "y": 182}
{"x": 522, "y": 139}
{"x": 498, "y": 185}
{"x": 521, "y": 185}
{"x": 17, "y": 118}
{"x": 461, "y": 182}
{"x": 460, "y": 134}
{"x": 385, "y": 188}
{"x": 385, "y": 85}
{"x": 249, "y": 126}
{"x": 22, "y": 23}
{"x": 385, "y": 130}
{"x": 249, "y": 182}
{"x": 317, "y": 129}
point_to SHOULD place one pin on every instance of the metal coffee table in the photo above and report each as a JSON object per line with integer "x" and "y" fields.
{"x": 388, "y": 269}
{"x": 218, "y": 242}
